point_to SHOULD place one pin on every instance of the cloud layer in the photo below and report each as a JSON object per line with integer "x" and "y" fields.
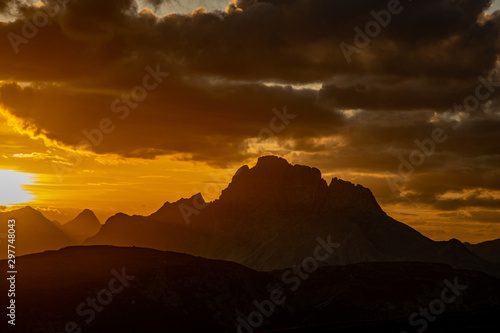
{"x": 67, "y": 68}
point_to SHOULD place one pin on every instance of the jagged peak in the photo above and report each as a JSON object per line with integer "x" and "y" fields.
{"x": 170, "y": 212}
{"x": 342, "y": 193}
{"x": 275, "y": 181}
{"x": 168, "y": 204}
{"x": 344, "y": 184}
{"x": 271, "y": 160}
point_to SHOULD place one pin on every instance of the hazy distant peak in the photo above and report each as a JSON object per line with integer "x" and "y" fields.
{"x": 84, "y": 225}
{"x": 87, "y": 214}
{"x": 85, "y": 217}
{"x": 30, "y": 211}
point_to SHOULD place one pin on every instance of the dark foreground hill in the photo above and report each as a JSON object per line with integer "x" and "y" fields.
{"x": 143, "y": 290}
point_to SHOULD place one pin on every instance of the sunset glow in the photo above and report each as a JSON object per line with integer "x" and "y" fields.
{"x": 106, "y": 124}
{"x": 250, "y": 165}
{"x": 13, "y": 187}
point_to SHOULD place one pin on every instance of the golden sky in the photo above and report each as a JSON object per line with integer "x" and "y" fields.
{"x": 120, "y": 106}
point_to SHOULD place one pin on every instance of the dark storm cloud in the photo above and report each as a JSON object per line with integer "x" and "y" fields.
{"x": 379, "y": 93}
{"x": 287, "y": 41}
{"x": 170, "y": 120}
{"x": 428, "y": 58}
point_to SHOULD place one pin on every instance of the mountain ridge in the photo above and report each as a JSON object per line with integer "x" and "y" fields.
{"x": 269, "y": 216}
{"x": 35, "y": 233}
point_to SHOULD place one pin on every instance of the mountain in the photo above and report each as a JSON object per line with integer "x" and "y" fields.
{"x": 111, "y": 289}
{"x": 489, "y": 250}
{"x": 83, "y": 226}
{"x": 34, "y": 232}
{"x": 270, "y": 217}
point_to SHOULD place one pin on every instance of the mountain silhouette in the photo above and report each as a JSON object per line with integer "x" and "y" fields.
{"x": 34, "y": 232}
{"x": 489, "y": 250}
{"x": 270, "y": 216}
{"x": 83, "y": 226}
{"x": 171, "y": 292}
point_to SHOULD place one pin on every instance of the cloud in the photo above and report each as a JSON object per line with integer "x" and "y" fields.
{"x": 66, "y": 77}
{"x": 294, "y": 41}
{"x": 176, "y": 118}
{"x": 5, "y": 5}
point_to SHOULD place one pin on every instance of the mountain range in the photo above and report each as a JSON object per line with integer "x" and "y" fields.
{"x": 35, "y": 233}
{"x": 326, "y": 254}
{"x": 269, "y": 217}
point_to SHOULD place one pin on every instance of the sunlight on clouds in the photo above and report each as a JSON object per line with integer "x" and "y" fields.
{"x": 479, "y": 193}
{"x": 350, "y": 113}
{"x": 12, "y": 189}
{"x": 311, "y": 86}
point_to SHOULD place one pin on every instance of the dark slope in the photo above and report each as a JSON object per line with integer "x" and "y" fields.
{"x": 173, "y": 292}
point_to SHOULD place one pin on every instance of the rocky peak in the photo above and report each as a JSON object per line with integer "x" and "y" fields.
{"x": 274, "y": 181}
{"x": 342, "y": 193}
{"x": 171, "y": 213}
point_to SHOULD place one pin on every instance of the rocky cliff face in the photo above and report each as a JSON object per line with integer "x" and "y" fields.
{"x": 275, "y": 182}
{"x": 346, "y": 195}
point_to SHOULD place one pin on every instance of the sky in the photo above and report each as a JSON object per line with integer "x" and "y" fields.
{"x": 120, "y": 106}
